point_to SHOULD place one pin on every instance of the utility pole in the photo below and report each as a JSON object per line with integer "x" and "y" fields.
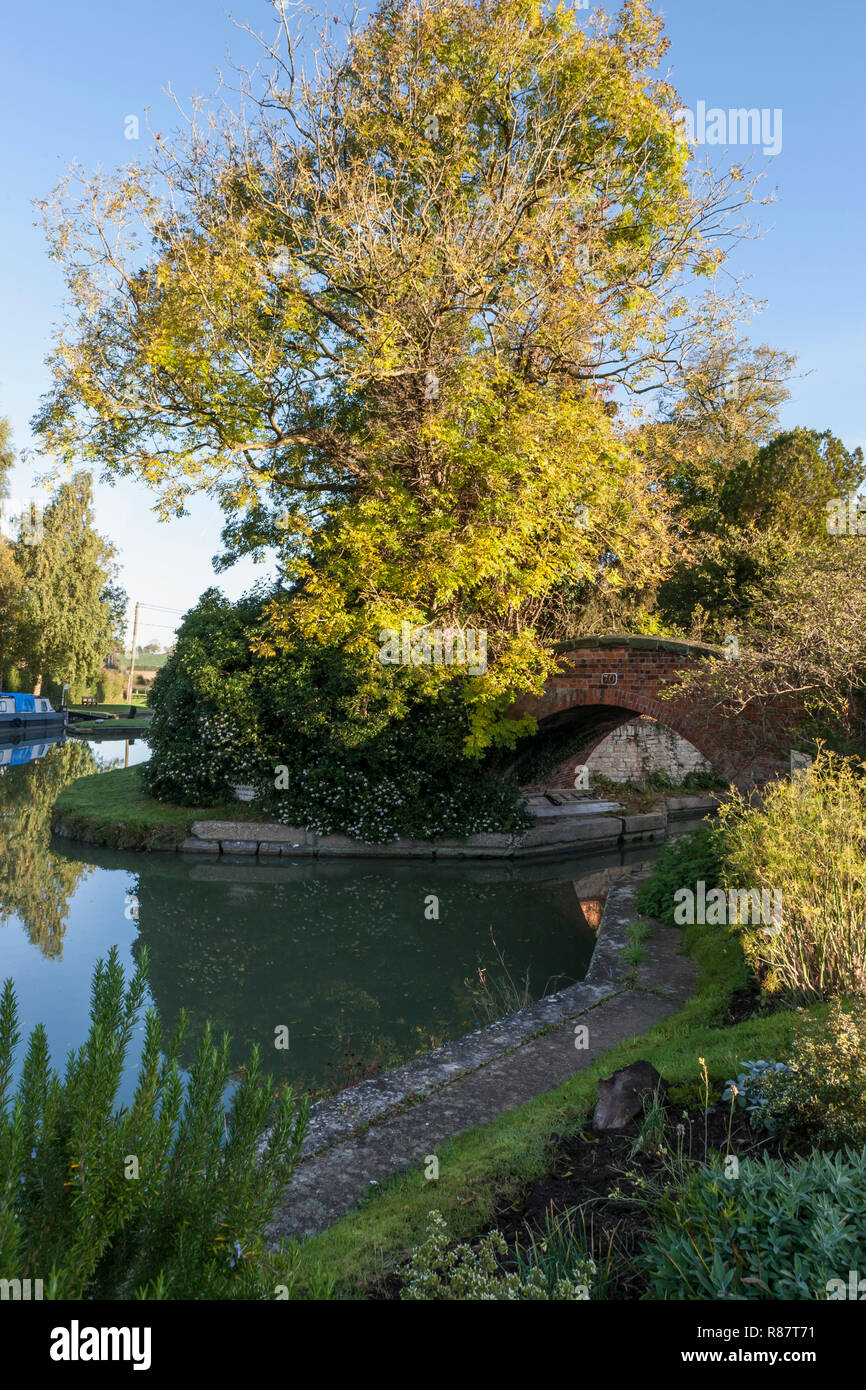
{"x": 132, "y": 657}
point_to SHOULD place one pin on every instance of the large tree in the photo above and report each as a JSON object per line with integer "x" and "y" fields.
{"x": 745, "y": 495}
{"x": 381, "y": 313}
{"x": 711, "y": 421}
{"x": 71, "y": 609}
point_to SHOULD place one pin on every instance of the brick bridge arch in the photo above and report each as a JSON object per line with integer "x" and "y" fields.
{"x": 586, "y": 703}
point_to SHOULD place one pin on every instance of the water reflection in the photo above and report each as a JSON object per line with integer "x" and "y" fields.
{"x": 36, "y": 882}
{"x": 344, "y": 954}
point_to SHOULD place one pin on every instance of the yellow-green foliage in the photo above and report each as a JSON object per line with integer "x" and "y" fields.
{"x": 808, "y": 841}
{"x": 823, "y": 1093}
{"x": 383, "y": 327}
{"x": 109, "y": 686}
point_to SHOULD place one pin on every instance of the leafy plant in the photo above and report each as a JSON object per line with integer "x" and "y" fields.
{"x": 749, "y": 1091}
{"x": 806, "y": 841}
{"x": 777, "y": 1231}
{"x": 168, "y": 1197}
{"x": 563, "y": 1251}
{"x": 438, "y": 1269}
{"x": 821, "y": 1093}
{"x": 319, "y": 751}
{"x": 683, "y": 863}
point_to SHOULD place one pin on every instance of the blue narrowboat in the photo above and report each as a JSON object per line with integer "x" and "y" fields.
{"x": 28, "y": 714}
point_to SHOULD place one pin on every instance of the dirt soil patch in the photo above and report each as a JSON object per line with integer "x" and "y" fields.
{"x": 603, "y": 1184}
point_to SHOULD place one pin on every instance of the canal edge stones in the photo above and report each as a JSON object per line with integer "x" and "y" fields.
{"x": 270, "y": 840}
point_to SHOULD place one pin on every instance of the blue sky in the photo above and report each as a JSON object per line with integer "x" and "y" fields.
{"x": 72, "y": 74}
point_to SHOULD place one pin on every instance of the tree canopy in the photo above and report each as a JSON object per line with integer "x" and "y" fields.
{"x": 379, "y": 315}
{"x": 69, "y": 610}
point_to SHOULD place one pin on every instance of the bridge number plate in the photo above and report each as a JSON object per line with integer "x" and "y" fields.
{"x": 609, "y": 678}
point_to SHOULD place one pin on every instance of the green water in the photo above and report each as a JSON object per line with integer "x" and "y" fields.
{"x": 366, "y": 964}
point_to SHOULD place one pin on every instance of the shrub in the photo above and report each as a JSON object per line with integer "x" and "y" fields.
{"x": 807, "y": 840}
{"x": 821, "y": 1094}
{"x": 777, "y": 1231}
{"x": 438, "y": 1269}
{"x": 109, "y": 687}
{"x": 299, "y": 728}
{"x": 163, "y": 1198}
{"x": 683, "y": 863}
{"x": 750, "y": 1092}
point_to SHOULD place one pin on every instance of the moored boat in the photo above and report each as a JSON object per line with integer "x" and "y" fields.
{"x": 28, "y": 714}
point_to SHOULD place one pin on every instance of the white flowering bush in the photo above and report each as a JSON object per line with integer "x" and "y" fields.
{"x": 439, "y": 1269}
{"x": 319, "y": 753}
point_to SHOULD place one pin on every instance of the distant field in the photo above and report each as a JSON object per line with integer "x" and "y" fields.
{"x": 149, "y": 661}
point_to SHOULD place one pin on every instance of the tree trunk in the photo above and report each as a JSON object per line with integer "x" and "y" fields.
{"x": 37, "y": 688}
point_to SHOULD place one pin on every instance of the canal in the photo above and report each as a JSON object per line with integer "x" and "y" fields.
{"x": 365, "y": 963}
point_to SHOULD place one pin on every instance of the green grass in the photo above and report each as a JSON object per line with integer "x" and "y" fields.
{"x": 483, "y": 1170}
{"x": 137, "y": 700}
{"x": 110, "y": 808}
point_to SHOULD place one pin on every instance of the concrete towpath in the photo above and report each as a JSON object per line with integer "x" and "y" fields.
{"x": 368, "y": 1132}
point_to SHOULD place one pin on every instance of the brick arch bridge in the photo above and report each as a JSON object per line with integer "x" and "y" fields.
{"x": 607, "y": 681}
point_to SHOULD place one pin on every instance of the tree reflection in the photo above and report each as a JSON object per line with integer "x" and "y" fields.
{"x": 36, "y": 883}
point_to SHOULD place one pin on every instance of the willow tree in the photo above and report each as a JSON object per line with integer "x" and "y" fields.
{"x": 379, "y": 309}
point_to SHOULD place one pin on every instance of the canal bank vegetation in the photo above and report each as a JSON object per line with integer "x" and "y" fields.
{"x": 298, "y": 728}
{"x": 137, "y": 702}
{"x": 758, "y": 1126}
{"x": 160, "y": 1199}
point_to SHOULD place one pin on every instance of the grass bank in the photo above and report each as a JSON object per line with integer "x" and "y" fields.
{"x": 131, "y": 717}
{"x": 112, "y": 809}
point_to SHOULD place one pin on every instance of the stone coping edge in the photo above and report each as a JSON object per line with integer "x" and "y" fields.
{"x": 369, "y": 1102}
{"x": 270, "y": 840}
